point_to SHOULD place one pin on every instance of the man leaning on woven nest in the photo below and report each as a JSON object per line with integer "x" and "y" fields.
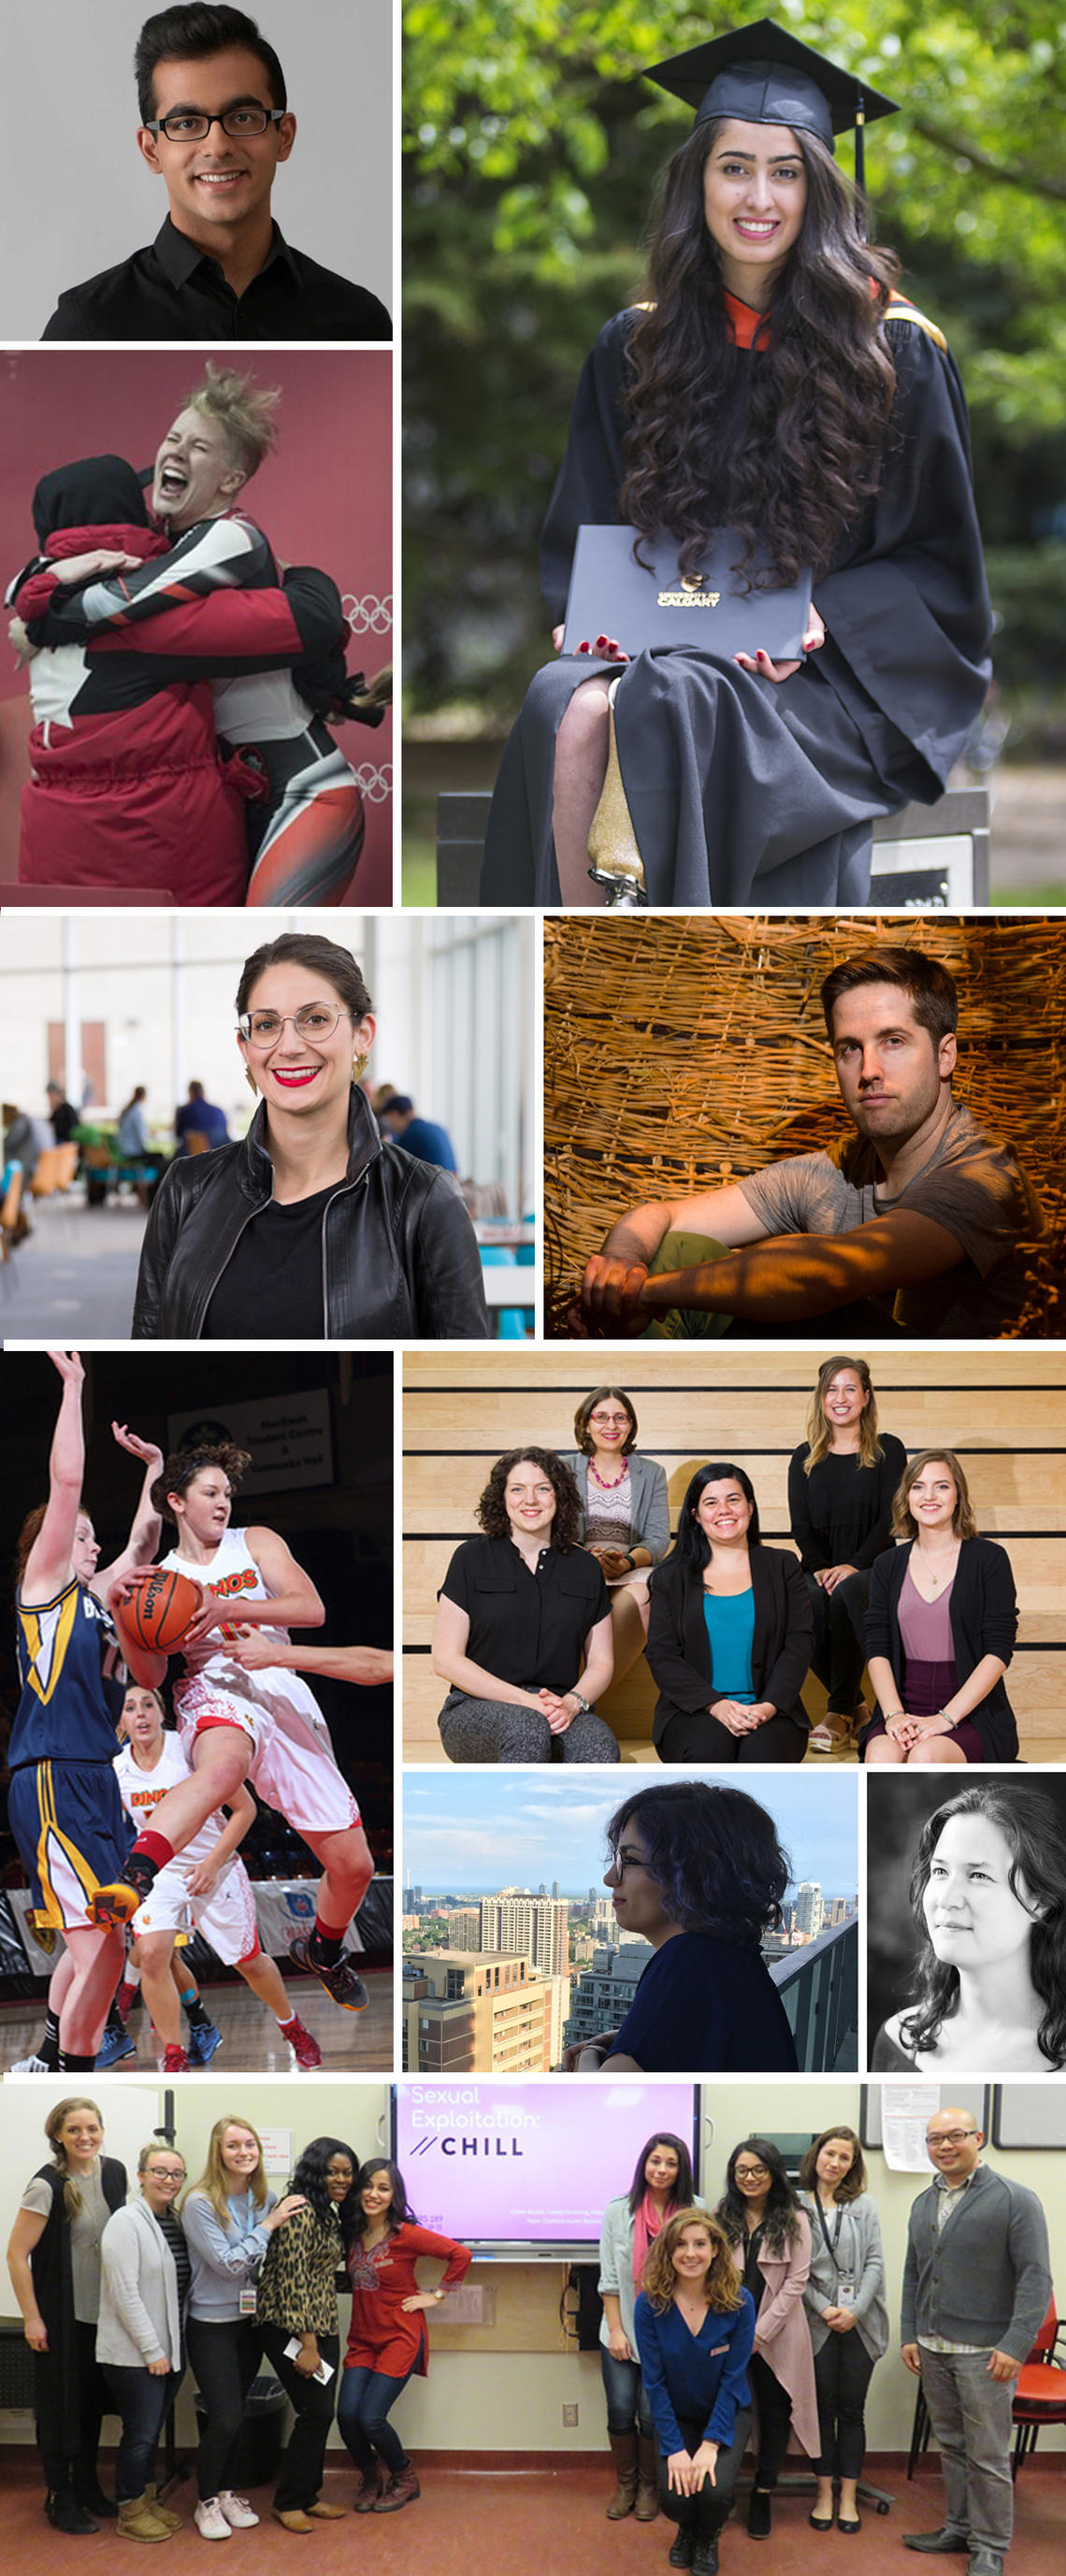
{"x": 910, "y": 1225}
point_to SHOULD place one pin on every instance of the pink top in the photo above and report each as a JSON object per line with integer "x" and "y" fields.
{"x": 925, "y": 1626}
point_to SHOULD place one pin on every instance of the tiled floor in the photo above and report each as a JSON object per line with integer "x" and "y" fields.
{"x": 543, "y": 2521}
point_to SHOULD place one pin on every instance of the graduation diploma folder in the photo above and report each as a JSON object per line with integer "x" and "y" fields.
{"x": 611, "y": 593}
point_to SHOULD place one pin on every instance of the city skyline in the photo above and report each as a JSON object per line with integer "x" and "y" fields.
{"x": 472, "y": 1836}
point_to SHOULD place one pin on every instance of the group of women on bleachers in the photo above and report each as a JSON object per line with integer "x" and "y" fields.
{"x": 117, "y": 2295}
{"x": 573, "y": 1578}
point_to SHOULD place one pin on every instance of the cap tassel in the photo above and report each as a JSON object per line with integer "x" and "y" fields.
{"x": 860, "y": 163}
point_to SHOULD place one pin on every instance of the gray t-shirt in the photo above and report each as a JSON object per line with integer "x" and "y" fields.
{"x": 86, "y": 2230}
{"x": 972, "y": 1185}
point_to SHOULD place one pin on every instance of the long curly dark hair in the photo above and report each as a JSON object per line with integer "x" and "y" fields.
{"x": 309, "y": 2176}
{"x": 821, "y": 393}
{"x": 492, "y": 1510}
{"x": 781, "y": 2212}
{"x": 1034, "y": 1830}
{"x": 400, "y": 2214}
{"x": 714, "y": 1855}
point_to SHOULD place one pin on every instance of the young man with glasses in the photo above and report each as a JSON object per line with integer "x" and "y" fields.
{"x": 215, "y": 125}
{"x": 976, "y": 2284}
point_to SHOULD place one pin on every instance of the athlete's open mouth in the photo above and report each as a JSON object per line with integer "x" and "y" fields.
{"x": 172, "y": 482}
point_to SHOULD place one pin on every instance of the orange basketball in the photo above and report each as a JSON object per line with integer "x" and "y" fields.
{"x": 161, "y": 1608}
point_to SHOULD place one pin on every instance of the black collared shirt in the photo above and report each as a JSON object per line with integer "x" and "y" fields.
{"x": 527, "y": 1628}
{"x": 174, "y": 291}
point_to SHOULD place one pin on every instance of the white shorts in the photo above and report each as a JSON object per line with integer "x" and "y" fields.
{"x": 226, "y": 1918}
{"x": 292, "y": 1766}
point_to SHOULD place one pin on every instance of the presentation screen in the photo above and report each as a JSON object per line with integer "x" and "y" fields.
{"x": 529, "y": 2164}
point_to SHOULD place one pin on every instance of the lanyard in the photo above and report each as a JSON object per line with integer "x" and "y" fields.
{"x": 830, "y": 2247}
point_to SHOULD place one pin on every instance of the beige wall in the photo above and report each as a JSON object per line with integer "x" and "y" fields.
{"x": 502, "y": 2387}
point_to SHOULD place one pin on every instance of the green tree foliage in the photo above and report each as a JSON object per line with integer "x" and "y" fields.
{"x": 532, "y": 149}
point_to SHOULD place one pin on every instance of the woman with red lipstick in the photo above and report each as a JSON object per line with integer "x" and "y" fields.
{"x": 313, "y": 1226}
{"x": 775, "y": 386}
{"x": 940, "y": 1628}
{"x": 523, "y": 1626}
{"x": 625, "y": 1512}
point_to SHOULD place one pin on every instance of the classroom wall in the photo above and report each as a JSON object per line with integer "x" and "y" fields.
{"x": 502, "y": 2387}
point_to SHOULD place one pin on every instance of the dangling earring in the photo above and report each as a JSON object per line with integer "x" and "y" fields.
{"x": 251, "y": 1082}
{"x": 359, "y": 1065}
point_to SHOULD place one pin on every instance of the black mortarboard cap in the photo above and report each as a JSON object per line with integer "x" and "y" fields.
{"x": 765, "y": 76}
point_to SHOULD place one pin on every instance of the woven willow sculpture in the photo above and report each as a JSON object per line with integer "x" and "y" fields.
{"x": 681, "y": 1052}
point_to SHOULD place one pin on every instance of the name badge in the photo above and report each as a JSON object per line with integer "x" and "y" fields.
{"x": 248, "y": 2302}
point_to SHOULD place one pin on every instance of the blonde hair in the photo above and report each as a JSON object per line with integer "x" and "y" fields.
{"x": 52, "y": 2129}
{"x": 963, "y": 1521}
{"x": 819, "y": 1431}
{"x": 723, "y": 2289}
{"x": 244, "y": 410}
{"x": 215, "y": 2184}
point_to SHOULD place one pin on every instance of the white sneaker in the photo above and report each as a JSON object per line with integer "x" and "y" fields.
{"x": 29, "y": 2066}
{"x": 210, "y": 2520}
{"x": 237, "y": 2510}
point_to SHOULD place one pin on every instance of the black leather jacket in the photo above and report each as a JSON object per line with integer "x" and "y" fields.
{"x": 399, "y": 1253}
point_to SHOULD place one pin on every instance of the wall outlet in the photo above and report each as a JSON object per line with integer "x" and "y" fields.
{"x": 570, "y": 2417}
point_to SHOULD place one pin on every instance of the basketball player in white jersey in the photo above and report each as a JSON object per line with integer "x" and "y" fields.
{"x": 205, "y": 1888}
{"x": 264, "y": 1727}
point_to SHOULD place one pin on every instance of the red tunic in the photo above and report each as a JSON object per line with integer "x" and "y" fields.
{"x": 381, "y": 2337}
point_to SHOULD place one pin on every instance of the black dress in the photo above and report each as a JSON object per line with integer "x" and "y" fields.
{"x": 740, "y": 786}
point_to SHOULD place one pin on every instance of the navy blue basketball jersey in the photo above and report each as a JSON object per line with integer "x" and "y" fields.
{"x": 72, "y": 1679}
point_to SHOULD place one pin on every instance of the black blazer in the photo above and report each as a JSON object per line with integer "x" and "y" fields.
{"x": 984, "y": 1621}
{"x": 679, "y": 1649}
{"x": 399, "y": 1253}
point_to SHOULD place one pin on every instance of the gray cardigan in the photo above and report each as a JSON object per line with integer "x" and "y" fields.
{"x": 985, "y": 2277}
{"x": 139, "y": 2316}
{"x": 859, "y": 2256}
{"x": 650, "y": 1523}
{"x": 616, "y": 2265}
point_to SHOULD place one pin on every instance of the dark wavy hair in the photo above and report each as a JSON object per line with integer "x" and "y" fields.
{"x": 820, "y": 394}
{"x": 183, "y": 1464}
{"x": 722, "y": 2288}
{"x": 186, "y": 34}
{"x": 401, "y": 2213}
{"x": 586, "y": 1409}
{"x": 685, "y": 2184}
{"x": 692, "y": 1547}
{"x": 854, "y": 2180}
{"x": 337, "y": 967}
{"x": 491, "y": 1512}
{"x": 781, "y": 2215}
{"x": 1035, "y": 1831}
{"x": 309, "y": 2176}
{"x": 714, "y": 1855}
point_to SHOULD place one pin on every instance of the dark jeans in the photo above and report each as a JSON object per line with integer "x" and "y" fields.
{"x": 842, "y": 2371}
{"x": 59, "y": 2467}
{"x": 364, "y": 2405}
{"x": 301, "y": 2469}
{"x": 142, "y": 2401}
{"x": 775, "y": 2420}
{"x": 627, "y": 2403}
{"x": 224, "y": 2359}
{"x": 703, "y": 1738}
{"x": 840, "y": 1639}
{"x": 707, "y": 2511}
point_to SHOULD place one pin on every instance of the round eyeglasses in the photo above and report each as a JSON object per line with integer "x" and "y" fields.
{"x": 191, "y": 125}
{"x": 312, "y": 1020}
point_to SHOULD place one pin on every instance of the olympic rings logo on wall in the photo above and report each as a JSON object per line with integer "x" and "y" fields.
{"x": 376, "y": 784}
{"x": 370, "y": 615}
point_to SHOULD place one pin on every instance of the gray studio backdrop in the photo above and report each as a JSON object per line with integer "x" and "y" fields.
{"x": 75, "y": 195}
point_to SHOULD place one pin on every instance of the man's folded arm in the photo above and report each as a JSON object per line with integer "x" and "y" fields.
{"x": 792, "y": 1276}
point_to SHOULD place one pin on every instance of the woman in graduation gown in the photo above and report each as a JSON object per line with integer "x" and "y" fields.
{"x": 775, "y": 384}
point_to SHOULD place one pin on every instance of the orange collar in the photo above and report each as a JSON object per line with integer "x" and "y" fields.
{"x": 747, "y": 329}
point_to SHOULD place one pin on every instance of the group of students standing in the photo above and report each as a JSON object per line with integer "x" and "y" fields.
{"x": 776, "y": 2302}
{"x": 574, "y": 1577}
{"x": 119, "y": 2296}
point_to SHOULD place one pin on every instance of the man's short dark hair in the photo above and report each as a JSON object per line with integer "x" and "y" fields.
{"x": 186, "y": 35}
{"x": 930, "y": 987}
